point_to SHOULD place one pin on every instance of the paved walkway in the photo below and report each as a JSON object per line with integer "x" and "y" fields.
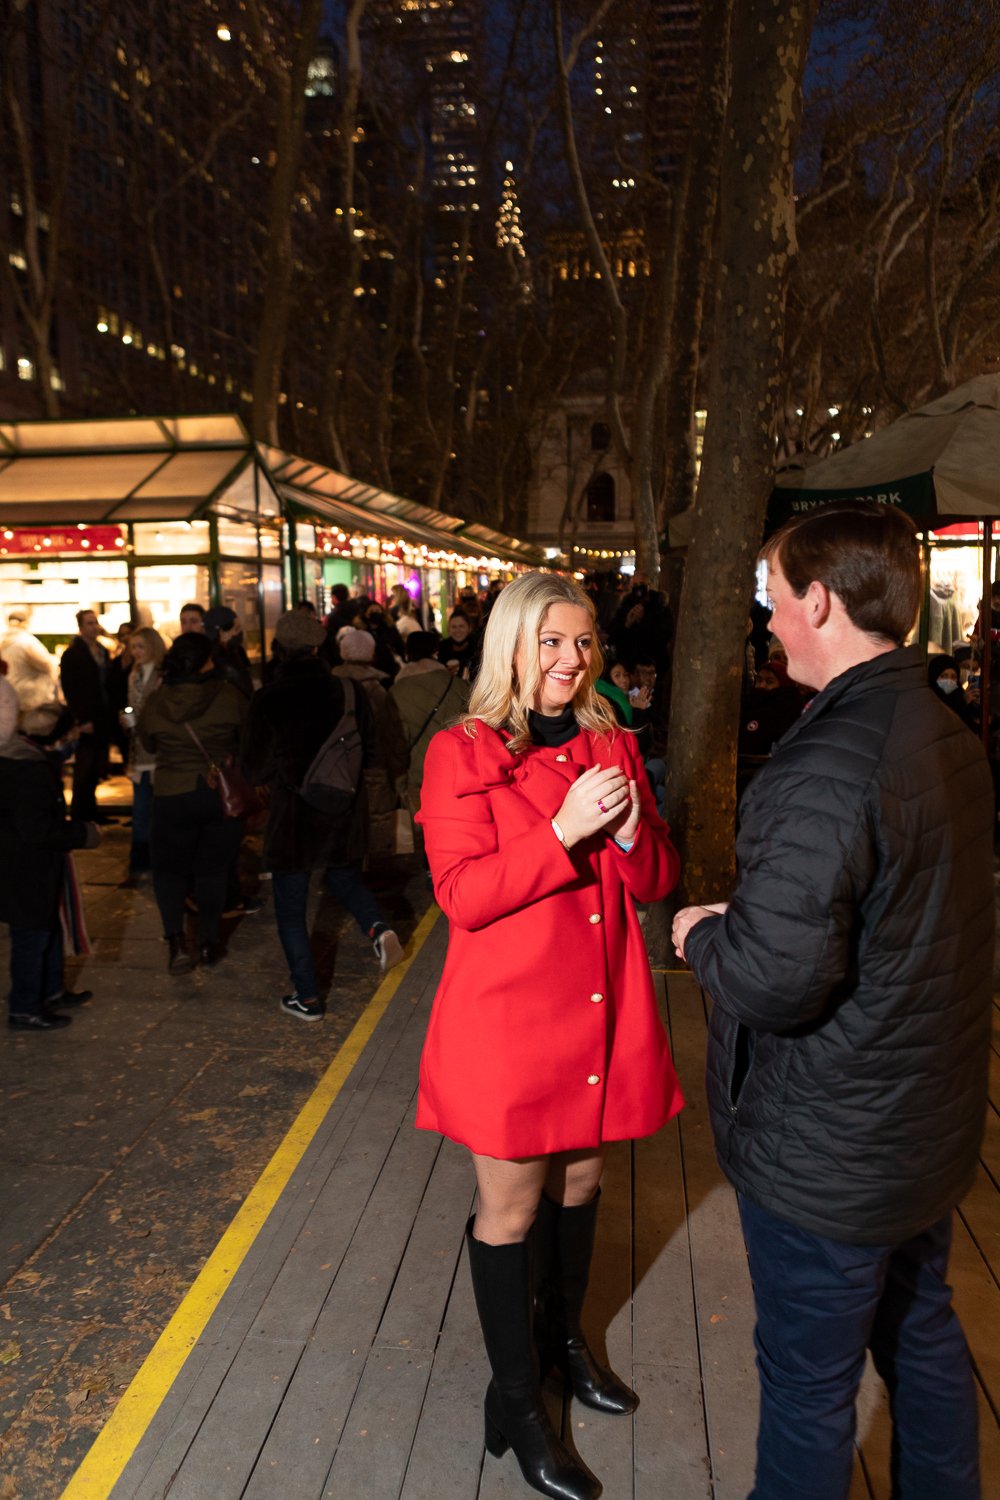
{"x": 344, "y": 1359}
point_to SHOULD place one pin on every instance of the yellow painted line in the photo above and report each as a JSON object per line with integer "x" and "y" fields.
{"x": 102, "y": 1467}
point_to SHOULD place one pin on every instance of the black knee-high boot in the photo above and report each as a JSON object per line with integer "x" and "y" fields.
{"x": 565, "y": 1245}
{"x": 515, "y": 1413}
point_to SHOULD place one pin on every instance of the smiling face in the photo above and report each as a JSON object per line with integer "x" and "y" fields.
{"x": 565, "y": 646}
{"x": 459, "y": 629}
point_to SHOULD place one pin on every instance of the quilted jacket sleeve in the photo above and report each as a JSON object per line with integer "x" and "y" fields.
{"x": 650, "y": 868}
{"x": 789, "y": 937}
{"x": 475, "y": 881}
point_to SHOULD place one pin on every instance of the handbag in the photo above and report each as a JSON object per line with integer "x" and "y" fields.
{"x": 239, "y": 797}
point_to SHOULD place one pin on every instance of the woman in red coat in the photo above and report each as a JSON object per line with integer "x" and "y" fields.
{"x": 544, "y": 1042}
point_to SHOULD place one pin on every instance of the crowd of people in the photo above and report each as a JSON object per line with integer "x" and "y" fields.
{"x": 180, "y": 716}
{"x": 850, "y": 972}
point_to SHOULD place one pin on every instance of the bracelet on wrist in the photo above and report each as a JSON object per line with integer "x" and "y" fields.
{"x": 559, "y": 833}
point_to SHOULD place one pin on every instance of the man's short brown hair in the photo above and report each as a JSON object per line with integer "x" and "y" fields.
{"x": 866, "y": 554}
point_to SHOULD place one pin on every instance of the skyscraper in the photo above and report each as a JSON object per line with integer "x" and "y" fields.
{"x": 160, "y": 121}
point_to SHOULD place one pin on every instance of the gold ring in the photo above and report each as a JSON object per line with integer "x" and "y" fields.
{"x": 601, "y": 805}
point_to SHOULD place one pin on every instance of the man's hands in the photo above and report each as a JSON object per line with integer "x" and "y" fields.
{"x": 690, "y": 916}
{"x": 602, "y": 800}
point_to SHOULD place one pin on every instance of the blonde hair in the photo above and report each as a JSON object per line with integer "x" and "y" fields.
{"x": 156, "y": 646}
{"x": 497, "y": 697}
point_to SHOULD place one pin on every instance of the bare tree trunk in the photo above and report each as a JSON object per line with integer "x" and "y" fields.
{"x": 769, "y": 42}
{"x": 289, "y": 81}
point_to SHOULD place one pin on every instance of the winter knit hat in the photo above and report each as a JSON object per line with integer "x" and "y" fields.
{"x": 356, "y": 645}
{"x": 219, "y": 618}
{"x": 298, "y": 631}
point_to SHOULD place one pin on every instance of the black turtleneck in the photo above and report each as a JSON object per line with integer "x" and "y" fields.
{"x": 553, "y": 729}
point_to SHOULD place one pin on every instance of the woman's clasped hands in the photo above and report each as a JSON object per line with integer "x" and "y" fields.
{"x": 601, "y": 800}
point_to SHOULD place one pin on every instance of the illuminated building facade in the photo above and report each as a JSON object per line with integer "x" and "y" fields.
{"x": 441, "y": 45}
{"x": 157, "y": 114}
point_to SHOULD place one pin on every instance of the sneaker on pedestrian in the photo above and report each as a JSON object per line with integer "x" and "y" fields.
{"x": 388, "y": 949}
{"x": 247, "y": 906}
{"x": 180, "y": 960}
{"x": 305, "y": 1010}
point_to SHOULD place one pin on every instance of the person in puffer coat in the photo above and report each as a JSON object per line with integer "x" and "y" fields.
{"x": 851, "y": 980}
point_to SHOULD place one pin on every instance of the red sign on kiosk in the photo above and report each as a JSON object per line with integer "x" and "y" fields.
{"x": 36, "y": 541}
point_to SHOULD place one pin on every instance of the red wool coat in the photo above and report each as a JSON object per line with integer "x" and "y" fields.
{"x": 544, "y": 1035}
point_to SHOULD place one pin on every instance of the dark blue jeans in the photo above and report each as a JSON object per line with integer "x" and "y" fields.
{"x": 36, "y": 969}
{"x": 291, "y": 897}
{"x": 820, "y": 1304}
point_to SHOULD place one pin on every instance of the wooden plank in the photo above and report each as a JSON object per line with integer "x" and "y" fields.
{"x": 605, "y": 1443}
{"x": 977, "y": 1302}
{"x": 670, "y": 1441}
{"x": 374, "y": 1448}
{"x": 447, "y": 1453}
{"x": 358, "y": 1286}
{"x": 340, "y": 1181}
{"x": 295, "y": 1303}
{"x": 723, "y": 1298}
{"x": 163, "y": 1448}
{"x": 150, "y": 1472}
{"x": 220, "y": 1459}
{"x": 418, "y": 1302}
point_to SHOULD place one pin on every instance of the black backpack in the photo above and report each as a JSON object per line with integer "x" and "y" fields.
{"x": 331, "y": 783}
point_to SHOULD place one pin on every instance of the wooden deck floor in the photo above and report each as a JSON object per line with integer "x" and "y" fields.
{"x": 345, "y": 1360}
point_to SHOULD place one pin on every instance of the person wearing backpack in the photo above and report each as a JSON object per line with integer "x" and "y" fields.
{"x": 308, "y": 737}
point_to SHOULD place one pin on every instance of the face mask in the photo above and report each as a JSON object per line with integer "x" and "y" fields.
{"x": 946, "y": 685}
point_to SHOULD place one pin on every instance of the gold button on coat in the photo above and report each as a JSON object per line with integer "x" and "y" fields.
{"x": 594, "y": 917}
{"x": 597, "y": 997}
{"x": 594, "y": 1078}
{"x": 562, "y": 757}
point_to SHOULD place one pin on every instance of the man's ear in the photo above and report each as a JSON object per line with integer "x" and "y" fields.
{"x": 819, "y": 600}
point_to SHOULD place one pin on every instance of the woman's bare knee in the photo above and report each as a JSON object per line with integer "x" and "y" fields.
{"x": 573, "y": 1177}
{"x": 508, "y": 1198}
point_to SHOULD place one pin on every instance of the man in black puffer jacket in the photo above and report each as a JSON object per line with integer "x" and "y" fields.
{"x": 851, "y": 975}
